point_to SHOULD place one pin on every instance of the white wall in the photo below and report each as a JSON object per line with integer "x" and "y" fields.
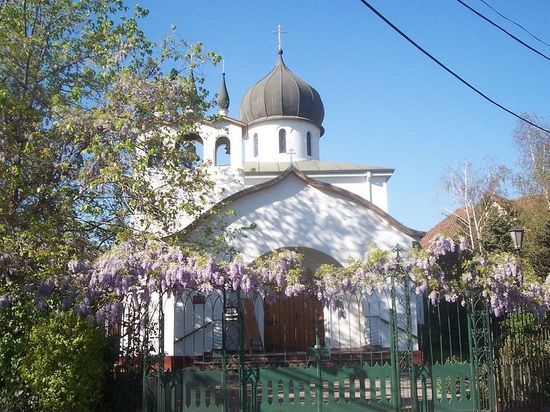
{"x": 268, "y": 140}
{"x": 379, "y": 191}
{"x": 295, "y": 214}
{"x": 369, "y": 186}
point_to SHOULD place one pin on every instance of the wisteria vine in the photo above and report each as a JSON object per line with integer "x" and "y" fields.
{"x": 132, "y": 273}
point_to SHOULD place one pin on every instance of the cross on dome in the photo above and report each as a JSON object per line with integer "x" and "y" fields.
{"x": 279, "y": 32}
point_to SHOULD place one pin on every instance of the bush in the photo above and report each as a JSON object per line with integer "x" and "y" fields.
{"x": 64, "y": 366}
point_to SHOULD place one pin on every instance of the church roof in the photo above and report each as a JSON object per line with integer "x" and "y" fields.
{"x": 282, "y": 93}
{"x": 322, "y": 186}
{"x": 311, "y": 167}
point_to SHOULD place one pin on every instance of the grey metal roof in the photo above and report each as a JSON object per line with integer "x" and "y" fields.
{"x": 282, "y": 93}
{"x": 311, "y": 167}
{"x": 223, "y": 97}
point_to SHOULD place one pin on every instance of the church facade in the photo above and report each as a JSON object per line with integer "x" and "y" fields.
{"x": 272, "y": 177}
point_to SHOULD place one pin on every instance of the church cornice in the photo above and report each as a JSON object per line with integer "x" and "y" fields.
{"x": 218, "y": 118}
{"x": 314, "y": 167}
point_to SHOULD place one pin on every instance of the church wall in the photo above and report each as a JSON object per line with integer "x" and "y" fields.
{"x": 379, "y": 191}
{"x": 295, "y": 214}
{"x": 268, "y": 140}
{"x": 373, "y": 189}
{"x": 367, "y": 322}
{"x": 355, "y": 184}
{"x": 196, "y": 324}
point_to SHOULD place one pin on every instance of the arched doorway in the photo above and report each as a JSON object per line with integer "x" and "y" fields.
{"x": 292, "y": 324}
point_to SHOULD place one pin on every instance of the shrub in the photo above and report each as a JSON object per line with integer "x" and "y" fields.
{"x": 64, "y": 366}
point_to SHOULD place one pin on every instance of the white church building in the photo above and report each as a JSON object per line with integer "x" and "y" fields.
{"x": 277, "y": 181}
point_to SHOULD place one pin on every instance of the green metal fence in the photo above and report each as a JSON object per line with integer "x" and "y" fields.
{"x": 367, "y": 388}
{"x": 458, "y": 359}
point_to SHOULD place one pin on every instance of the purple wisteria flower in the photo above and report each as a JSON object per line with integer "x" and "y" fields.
{"x": 5, "y": 301}
{"x": 46, "y": 288}
{"x": 123, "y": 285}
{"x": 463, "y": 244}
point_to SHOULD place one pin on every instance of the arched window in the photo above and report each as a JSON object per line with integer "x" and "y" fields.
{"x": 282, "y": 141}
{"x": 308, "y": 143}
{"x": 190, "y": 149}
{"x": 255, "y": 144}
{"x": 154, "y": 157}
{"x": 223, "y": 152}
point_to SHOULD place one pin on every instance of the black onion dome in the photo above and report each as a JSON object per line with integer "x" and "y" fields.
{"x": 282, "y": 93}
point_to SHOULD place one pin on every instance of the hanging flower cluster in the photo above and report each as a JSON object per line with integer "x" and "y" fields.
{"x": 132, "y": 273}
{"x": 429, "y": 276}
{"x": 449, "y": 271}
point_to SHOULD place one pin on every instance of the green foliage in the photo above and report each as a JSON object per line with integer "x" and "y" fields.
{"x": 15, "y": 324}
{"x": 539, "y": 255}
{"x": 495, "y": 232}
{"x": 64, "y": 366}
{"x": 83, "y": 99}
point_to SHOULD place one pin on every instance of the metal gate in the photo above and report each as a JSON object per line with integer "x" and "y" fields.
{"x": 391, "y": 353}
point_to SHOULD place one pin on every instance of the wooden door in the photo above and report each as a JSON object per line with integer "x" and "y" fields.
{"x": 290, "y": 324}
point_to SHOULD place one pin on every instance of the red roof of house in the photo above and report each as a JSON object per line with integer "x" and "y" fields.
{"x": 449, "y": 226}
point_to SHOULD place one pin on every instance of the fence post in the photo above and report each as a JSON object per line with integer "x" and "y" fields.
{"x": 243, "y": 375}
{"x": 224, "y": 360}
{"x": 319, "y": 386}
{"x": 491, "y": 382}
{"x": 481, "y": 354}
{"x": 396, "y": 390}
{"x": 473, "y": 366}
{"x": 410, "y": 346}
{"x": 317, "y": 352}
{"x": 394, "y": 345}
{"x": 145, "y": 365}
{"x": 160, "y": 371}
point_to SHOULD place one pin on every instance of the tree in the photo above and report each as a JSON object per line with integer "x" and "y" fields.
{"x": 85, "y": 103}
{"x": 533, "y": 182}
{"x": 483, "y": 214}
{"x": 534, "y": 146}
{"x": 539, "y": 255}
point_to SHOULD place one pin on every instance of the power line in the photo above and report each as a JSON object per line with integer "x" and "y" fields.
{"x": 504, "y": 30}
{"x": 513, "y": 22}
{"x": 389, "y": 23}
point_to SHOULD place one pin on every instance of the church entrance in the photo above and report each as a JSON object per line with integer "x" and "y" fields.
{"x": 290, "y": 324}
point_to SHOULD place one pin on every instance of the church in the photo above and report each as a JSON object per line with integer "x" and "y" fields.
{"x": 268, "y": 167}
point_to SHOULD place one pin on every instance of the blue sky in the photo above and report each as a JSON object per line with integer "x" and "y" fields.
{"x": 386, "y": 104}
